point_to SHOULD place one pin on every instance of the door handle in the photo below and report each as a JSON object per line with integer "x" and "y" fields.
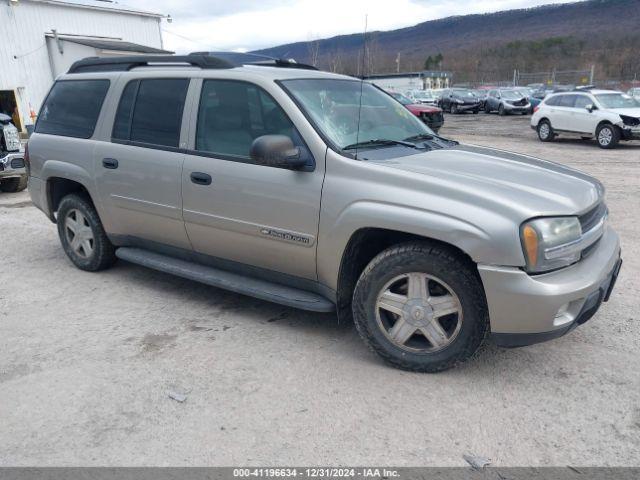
{"x": 110, "y": 163}
{"x": 200, "y": 178}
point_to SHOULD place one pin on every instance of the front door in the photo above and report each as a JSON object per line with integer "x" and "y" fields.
{"x": 138, "y": 173}
{"x": 236, "y": 210}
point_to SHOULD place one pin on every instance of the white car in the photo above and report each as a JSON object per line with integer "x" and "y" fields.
{"x": 422, "y": 96}
{"x": 606, "y": 115}
{"x": 634, "y": 92}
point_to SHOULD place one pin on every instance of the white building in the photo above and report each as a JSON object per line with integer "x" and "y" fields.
{"x": 426, "y": 79}
{"x": 40, "y": 39}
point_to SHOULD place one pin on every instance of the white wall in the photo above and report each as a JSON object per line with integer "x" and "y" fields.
{"x": 23, "y": 25}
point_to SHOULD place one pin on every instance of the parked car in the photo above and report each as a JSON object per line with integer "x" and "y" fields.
{"x": 606, "y": 115}
{"x": 319, "y": 191}
{"x": 529, "y": 93}
{"x": 506, "y": 101}
{"x": 459, "y": 100}
{"x": 634, "y": 92}
{"x": 430, "y": 115}
{"x": 422, "y": 96}
{"x": 13, "y": 176}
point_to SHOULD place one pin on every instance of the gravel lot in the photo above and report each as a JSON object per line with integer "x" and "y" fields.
{"x": 87, "y": 361}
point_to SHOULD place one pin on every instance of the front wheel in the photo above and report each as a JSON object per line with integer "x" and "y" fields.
{"x": 608, "y": 136}
{"x": 82, "y": 236}
{"x": 501, "y": 110}
{"x": 421, "y": 307}
{"x": 13, "y": 185}
{"x": 454, "y": 108}
{"x": 545, "y": 131}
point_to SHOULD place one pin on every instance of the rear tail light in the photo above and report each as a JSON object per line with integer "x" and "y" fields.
{"x": 27, "y": 165}
{"x": 536, "y": 108}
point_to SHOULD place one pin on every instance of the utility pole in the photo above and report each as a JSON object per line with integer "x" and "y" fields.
{"x": 591, "y": 74}
{"x": 398, "y": 63}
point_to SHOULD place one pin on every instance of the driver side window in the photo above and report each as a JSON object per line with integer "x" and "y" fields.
{"x": 232, "y": 114}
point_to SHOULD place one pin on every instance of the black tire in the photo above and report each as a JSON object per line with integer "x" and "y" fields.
{"x": 453, "y": 108}
{"x": 501, "y": 111}
{"x": 545, "y": 131}
{"x": 438, "y": 261}
{"x": 103, "y": 254}
{"x": 486, "y": 108}
{"x": 608, "y": 136}
{"x": 13, "y": 185}
{"x": 476, "y": 111}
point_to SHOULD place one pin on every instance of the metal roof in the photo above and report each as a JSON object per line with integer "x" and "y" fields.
{"x": 111, "y": 44}
{"x": 108, "y": 5}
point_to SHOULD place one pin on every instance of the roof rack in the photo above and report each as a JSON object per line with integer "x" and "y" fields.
{"x": 123, "y": 64}
{"x": 239, "y": 59}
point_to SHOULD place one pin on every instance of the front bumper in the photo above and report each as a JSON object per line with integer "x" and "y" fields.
{"x": 12, "y": 165}
{"x": 526, "y": 108}
{"x": 465, "y": 107}
{"x": 433, "y": 120}
{"x": 631, "y": 133}
{"x": 526, "y": 309}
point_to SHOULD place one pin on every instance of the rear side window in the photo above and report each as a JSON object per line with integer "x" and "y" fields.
{"x": 72, "y": 108}
{"x": 150, "y": 111}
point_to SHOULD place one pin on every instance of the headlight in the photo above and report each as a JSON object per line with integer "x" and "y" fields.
{"x": 547, "y": 243}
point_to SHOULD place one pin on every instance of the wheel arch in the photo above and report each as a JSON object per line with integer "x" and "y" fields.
{"x": 59, "y": 187}
{"x": 363, "y": 245}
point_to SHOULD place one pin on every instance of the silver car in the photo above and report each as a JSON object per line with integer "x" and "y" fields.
{"x": 319, "y": 192}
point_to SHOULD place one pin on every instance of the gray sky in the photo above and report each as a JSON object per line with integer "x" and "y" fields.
{"x": 251, "y": 24}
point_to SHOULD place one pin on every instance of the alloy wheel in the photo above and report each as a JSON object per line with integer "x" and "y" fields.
{"x": 79, "y": 233}
{"x": 419, "y": 312}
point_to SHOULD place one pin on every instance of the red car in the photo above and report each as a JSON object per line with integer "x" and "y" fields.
{"x": 430, "y": 115}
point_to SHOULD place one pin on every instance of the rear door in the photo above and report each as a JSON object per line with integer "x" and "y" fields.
{"x": 139, "y": 172}
{"x": 562, "y": 118}
{"x": 235, "y": 210}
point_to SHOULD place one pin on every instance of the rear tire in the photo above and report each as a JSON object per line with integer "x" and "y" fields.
{"x": 13, "y": 185}
{"x": 424, "y": 283}
{"x": 82, "y": 236}
{"x": 545, "y": 131}
{"x": 608, "y": 136}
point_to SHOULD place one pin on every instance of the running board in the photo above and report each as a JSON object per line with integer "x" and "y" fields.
{"x": 263, "y": 289}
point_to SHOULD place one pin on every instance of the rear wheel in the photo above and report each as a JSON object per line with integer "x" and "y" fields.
{"x": 421, "y": 307}
{"x": 545, "y": 131}
{"x": 13, "y": 185}
{"x": 608, "y": 136}
{"x": 82, "y": 235}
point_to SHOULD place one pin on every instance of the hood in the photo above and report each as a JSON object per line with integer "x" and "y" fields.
{"x": 630, "y": 112}
{"x": 501, "y": 180}
{"x": 422, "y": 107}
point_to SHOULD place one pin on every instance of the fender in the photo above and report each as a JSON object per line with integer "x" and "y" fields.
{"x": 498, "y": 247}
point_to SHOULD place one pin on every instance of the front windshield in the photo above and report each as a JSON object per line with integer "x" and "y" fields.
{"x": 464, "y": 93}
{"x": 511, "y": 95}
{"x": 617, "y": 100}
{"x": 333, "y": 107}
{"x": 401, "y": 98}
{"x": 423, "y": 95}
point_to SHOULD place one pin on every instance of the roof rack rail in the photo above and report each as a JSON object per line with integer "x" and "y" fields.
{"x": 123, "y": 64}
{"x": 239, "y": 59}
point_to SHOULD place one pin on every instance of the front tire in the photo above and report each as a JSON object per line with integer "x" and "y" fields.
{"x": 608, "y": 136}
{"x": 454, "y": 109}
{"x": 82, "y": 236}
{"x": 421, "y": 307}
{"x": 501, "y": 110}
{"x": 545, "y": 131}
{"x": 13, "y": 185}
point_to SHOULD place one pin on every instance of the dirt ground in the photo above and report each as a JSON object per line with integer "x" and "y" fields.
{"x": 87, "y": 362}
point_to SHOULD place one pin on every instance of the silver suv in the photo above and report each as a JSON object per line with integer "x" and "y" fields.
{"x": 320, "y": 192}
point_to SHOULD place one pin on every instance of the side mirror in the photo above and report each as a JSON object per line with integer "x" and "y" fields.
{"x": 276, "y": 151}
{"x": 591, "y": 107}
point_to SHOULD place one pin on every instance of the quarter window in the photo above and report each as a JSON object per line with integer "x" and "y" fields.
{"x": 233, "y": 114}
{"x": 150, "y": 111}
{"x": 72, "y": 108}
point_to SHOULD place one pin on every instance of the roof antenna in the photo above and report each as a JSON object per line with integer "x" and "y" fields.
{"x": 364, "y": 54}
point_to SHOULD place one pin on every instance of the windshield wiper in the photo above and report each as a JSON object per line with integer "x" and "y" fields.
{"x": 381, "y": 142}
{"x": 429, "y": 136}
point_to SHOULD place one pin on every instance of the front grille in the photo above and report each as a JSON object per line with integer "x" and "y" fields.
{"x": 520, "y": 103}
{"x": 592, "y": 217}
{"x": 432, "y": 116}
